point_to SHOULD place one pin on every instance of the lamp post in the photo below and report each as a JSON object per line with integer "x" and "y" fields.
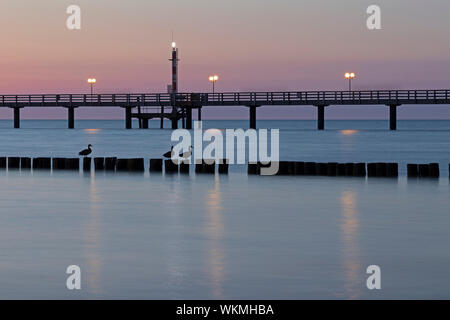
{"x": 92, "y": 81}
{"x": 213, "y": 79}
{"x": 350, "y": 76}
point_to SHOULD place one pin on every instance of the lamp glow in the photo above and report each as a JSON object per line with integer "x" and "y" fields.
{"x": 350, "y": 76}
{"x": 92, "y": 81}
{"x": 213, "y": 79}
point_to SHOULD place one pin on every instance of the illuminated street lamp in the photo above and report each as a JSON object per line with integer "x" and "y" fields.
{"x": 213, "y": 79}
{"x": 92, "y": 81}
{"x": 350, "y": 76}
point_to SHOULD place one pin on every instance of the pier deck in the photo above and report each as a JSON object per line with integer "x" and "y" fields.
{"x": 181, "y": 104}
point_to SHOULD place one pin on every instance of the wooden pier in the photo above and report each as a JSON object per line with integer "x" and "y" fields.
{"x": 180, "y": 106}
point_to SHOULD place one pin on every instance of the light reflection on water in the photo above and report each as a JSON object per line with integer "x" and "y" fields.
{"x": 93, "y": 238}
{"x": 350, "y": 254}
{"x": 176, "y": 265}
{"x": 214, "y": 230}
{"x": 92, "y": 131}
{"x": 349, "y": 132}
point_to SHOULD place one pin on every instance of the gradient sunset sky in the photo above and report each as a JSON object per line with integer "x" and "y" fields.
{"x": 253, "y": 45}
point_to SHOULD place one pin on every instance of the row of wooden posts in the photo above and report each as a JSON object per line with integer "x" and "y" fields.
{"x": 332, "y": 169}
{"x": 379, "y": 169}
{"x": 110, "y": 164}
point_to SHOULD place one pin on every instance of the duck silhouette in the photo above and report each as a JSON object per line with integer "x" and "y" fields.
{"x": 186, "y": 154}
{"x": 86, "y": 152}
{"x": 168, "y": 154}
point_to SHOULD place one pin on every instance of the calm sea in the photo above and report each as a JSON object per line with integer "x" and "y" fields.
{"x": 145, "y": 236}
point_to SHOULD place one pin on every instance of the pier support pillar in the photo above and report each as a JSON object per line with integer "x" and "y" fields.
{"x": 174, "y": 123}
{"x": 17, "y": 117}
{"x": 252, "y": 117}
{"x": 144, "y": 123}
{"x": 393, "y": 117}
{"x": 320, "y": 117}
{"x": 189, "y": 118}
{"x": 199, "y": 114}
{"x": 71, "y": 117}
{"x": 162, "y": 117}
{"x": 140, "y": 120}
{"x": 128, "y": 121}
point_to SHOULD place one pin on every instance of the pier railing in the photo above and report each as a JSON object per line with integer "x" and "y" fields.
{"x": 231, "y": 98}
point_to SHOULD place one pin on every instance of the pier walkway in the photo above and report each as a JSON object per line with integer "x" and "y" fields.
{"x": 180, "y": 106}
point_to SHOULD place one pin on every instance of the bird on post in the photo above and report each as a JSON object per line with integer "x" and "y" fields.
{"x": 168, "y": 154}
{"x": 86, "y": 152}
{"x": 186, "y": 154}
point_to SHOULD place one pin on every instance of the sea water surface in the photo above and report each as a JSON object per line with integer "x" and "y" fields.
{"x": 156, "y": 236}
